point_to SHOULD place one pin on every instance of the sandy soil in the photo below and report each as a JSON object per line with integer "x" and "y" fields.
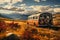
{"x": 40, "y": 34}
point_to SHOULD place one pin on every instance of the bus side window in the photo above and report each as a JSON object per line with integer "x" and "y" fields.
{"x": 33, "y": 17}
{"x": 36, "y": 17}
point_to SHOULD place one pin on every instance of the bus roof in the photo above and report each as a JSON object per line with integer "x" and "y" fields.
{"x": 34, "y": 15}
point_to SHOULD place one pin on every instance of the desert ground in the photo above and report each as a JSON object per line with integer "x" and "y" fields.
{"x": 28, "y": 32}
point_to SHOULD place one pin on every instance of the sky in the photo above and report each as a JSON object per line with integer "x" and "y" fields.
{"x": 42, "y": 2}
{"x": 33, "y": 2}
{"x": 29, "y": 7}
{"x": 36, "y": 5}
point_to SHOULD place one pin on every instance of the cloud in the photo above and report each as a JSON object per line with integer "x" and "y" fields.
{"x": 37, "y": 0}
{"x": 33, "y": 9}
{"x": 23, "y": 4}
{"x": 8, "y": 1}
{"x": 43, "y": 0}
{"x": 6, "y": 11}
{"x": 56, "y": 5}
{"x": 8, "y": 6}
{"x": 14, "y": 1}
{"x": 40, "y": 8}
{"x": 56, "y": 9}
{"x": 2, "y": 1}
{"x": 36, "y": 8}
{"x": 50, "y": 10}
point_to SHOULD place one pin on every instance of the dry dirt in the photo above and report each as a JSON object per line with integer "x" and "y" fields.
{"x": 32, "y": 31}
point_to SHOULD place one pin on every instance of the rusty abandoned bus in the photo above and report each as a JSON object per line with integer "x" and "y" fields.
{"x": 40, "y": 19}
{"x": 44, "y": 19}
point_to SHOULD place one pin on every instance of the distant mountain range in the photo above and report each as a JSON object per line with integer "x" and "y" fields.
{"x": 14, "y": 16}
